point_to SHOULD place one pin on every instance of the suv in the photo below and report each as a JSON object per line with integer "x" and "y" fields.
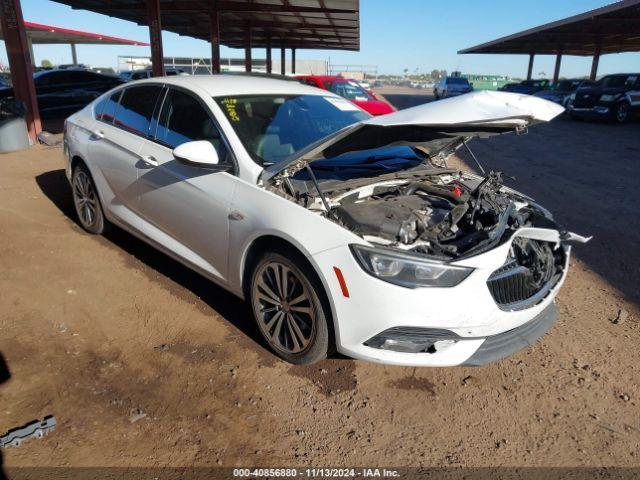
{"x": 561, "y": 91}
{"x": 452, "y": 87}
{"x": 614, "y": 97}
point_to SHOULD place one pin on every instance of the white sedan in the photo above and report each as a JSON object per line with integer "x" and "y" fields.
{"x": 343, "y": 231}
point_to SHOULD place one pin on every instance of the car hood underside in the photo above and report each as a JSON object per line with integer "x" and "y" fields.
{"x": 434, "y": 126}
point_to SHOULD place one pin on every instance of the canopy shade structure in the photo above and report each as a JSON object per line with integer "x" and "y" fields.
{"x": 614, "y": 28}
{"x": 38, "y": 33}
{"x": 311, "y": 24}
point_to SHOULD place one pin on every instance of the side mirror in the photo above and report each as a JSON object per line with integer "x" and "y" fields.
{"x": 199, "y": 153}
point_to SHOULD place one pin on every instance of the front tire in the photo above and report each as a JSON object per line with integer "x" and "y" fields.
{"x": 86, "y": 201}
{"x": 288, "y": 310}
{"x": 622, "y": 112}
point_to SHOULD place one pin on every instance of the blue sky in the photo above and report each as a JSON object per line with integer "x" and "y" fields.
{"x": 413, "y": 34}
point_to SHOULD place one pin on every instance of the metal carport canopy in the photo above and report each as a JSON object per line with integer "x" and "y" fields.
{"x": 613, "y": 28}
{"x": 39, "y": 33}
{"x": 311, "y": 24}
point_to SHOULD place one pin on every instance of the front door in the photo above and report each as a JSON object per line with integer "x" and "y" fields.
{"x": 189, "y": 205}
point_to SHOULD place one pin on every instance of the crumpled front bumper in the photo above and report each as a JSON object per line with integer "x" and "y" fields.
{"x": 480, "y": 330}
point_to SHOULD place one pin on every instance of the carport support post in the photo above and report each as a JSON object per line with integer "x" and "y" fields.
{"x": 283, "y": 61}
{"x": 556, "y": 72}
{"x": 594, "y": 64}
{"x": 247, "y": 49}
{"x": 15, "y": 38}
{"x": 269, "y": 66}
{"x": 74, "y": 54}
{"x": 155, "y": 37}
{"x": 215, "y": 38}
{"x": 530, "y": 71}
{"x": 293, "y": 61}
{"x": 31, "y": 54}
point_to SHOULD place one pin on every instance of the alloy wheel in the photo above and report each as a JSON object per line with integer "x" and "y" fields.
{"x": 284, "y": 308}
{"x": 622, "y": 112}
{"x": 85, "y": 199}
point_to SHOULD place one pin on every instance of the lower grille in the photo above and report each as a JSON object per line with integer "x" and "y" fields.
{"x": 528, "y": 276}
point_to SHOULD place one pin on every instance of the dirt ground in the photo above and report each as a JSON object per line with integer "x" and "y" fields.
{"x": 144, "y": 363}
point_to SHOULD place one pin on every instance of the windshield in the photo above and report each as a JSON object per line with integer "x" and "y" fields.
{"x": 457, "y": 81}
{"x": 616, "y": 81}
{"x": 273, "y": 127}
{"x": 347, "y": 90}
{"x": 365, "y": 163}
{"x": 566, "y": 85}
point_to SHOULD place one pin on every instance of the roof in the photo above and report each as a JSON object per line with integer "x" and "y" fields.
{"x": 324, "y": 78}
{"x": 231, "y": 84}
{"x": 312, "y": 24}
{"x": 39, "y": 33}
{"x": 614, "y": 28}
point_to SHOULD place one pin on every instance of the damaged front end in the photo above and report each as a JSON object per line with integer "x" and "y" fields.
{"x": 424, "y": 219}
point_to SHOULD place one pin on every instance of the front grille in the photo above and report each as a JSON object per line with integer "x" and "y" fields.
{"x": 532, "y": 270}
{"x": 585, "y": 100}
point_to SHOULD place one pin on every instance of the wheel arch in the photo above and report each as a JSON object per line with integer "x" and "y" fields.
{"x": 270, "y": 242}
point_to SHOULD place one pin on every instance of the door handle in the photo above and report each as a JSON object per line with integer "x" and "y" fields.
{"x": 97, "y": 135}
{"x": 149, "y": 160}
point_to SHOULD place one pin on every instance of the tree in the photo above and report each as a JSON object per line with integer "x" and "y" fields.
{"x": 46, "y": 63}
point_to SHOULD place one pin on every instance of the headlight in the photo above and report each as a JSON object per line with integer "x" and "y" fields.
{"x": 407, "y": 270}
{"x": 608, "y": 98}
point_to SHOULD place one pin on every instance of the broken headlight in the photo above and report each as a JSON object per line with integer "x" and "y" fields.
{"x": 407, "y": 270}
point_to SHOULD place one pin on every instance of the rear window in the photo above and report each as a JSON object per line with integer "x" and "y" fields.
{"x": 136, "y": 108}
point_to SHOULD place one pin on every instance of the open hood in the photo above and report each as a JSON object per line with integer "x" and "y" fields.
{"x": 435, "y": 126}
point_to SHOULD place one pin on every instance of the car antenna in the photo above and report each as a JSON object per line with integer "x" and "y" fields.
{"x": 464, "y": 142}
{"x": 317, "y": 185}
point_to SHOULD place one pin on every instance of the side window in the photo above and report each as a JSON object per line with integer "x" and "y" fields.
{"x": 106, "y": 109}
{"x": 183, "y": 119}
{"x": 136, "y": 108}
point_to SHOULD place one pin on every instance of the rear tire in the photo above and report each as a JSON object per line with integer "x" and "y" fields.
{"x": 287, "y": 303}
{"x": 87, "y": 201}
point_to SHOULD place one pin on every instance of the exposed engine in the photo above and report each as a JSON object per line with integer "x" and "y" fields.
{"x": 448, "y": 216}
{"x": 445, "y": 213}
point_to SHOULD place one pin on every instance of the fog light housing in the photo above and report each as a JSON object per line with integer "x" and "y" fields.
{"x": 601, "y": 109}
{"x": 413, "y": 340}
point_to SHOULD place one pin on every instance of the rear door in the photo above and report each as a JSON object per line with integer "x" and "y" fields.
{"x": 189, "y": 205}
{"x": 119, "y": 133}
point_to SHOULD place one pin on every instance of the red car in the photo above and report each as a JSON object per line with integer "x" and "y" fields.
{"x": 349, "y": 90}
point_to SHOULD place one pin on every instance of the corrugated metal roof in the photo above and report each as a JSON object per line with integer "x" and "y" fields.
{"x": 311, "y": 24}
{"x": 614, "y": 28}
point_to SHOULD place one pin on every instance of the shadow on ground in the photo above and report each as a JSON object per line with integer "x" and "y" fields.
{"x": 5, "y": 375}
{"x": 55, "y": 186}
{"x": 586, "y": 173}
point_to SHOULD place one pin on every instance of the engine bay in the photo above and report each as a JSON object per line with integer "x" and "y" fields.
{"x": 445, "y": 214}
